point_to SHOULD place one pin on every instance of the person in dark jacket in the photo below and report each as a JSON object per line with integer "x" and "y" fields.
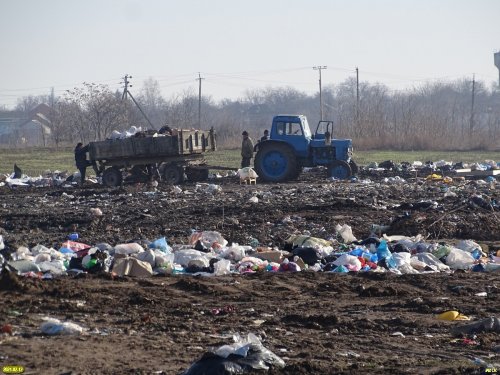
{"x": 81, "y": 161}
{"x": 265, "y": 137}
{"x": 246, "y": 150}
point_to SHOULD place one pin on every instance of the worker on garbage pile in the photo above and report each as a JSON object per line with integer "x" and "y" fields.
{"x": 246, "y": 150}
{"x": 81, "y": 161}
{"x": 265, "y": 137}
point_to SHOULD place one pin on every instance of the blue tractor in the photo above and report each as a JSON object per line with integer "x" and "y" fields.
{"x": 291, "y": 147}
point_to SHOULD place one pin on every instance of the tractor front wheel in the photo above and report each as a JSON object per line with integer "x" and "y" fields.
{"x": 339, "y": 169}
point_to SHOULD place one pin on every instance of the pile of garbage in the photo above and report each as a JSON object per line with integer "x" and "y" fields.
{"x": 46, "y": 179}
{"x": 418, "y": 168}
{"x": 208, "y": 253}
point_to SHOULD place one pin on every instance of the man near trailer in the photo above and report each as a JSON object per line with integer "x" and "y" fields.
{"x": 81, "y": 161}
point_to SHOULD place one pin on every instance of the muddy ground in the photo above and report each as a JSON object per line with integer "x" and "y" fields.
{"x": 319, "y": 323}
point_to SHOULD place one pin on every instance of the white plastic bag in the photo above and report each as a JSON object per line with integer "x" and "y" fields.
{"x": 146, "y": 256}
{"x": 128, "y": 248}
{"x": 56, "y": 327}
{"x": 234, "y": 252}
{"x": 348, "y": 260}
{"x": 459, "y": 259}
{"x": 346, "y": 232}
{"x": 247, "y": 172}
{"x": 191, "y": 257}
{"x": 222, "y": 267}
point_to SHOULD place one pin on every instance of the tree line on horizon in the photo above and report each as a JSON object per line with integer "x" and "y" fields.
{"x": 451, "y": 115}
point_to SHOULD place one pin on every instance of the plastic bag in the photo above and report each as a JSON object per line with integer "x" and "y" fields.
{"x": 459, "y": 259}
{"x": 345, "y": 231}
{"x": 234, "y": 252}
{"x": 146, "y": 256}
{"x": 160, "y": 244}
{"x": 245, "y": 355}
{"x": 128, "y": 248}
{"x": 350, "y": 261}
{"x": 56, "y": 327}
{"x": 209, "y": 239}
{"x": 308, "y": 241}
{"x": 56, "y": 267}
{"x": 191, "y": 257}
{"x": 430, "y": 261}
{"x": 247, "y": 172}
{"x": 222, "y": 267}
{"x": 2, "y": 245}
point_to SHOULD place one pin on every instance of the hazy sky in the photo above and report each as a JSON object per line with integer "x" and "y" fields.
{"x": 241, "y": 45}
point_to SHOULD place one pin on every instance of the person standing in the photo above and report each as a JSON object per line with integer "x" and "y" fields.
{"x": 265, "y": 137}
{"x": 81, "y": 161}
{"x": 246, "y": 150}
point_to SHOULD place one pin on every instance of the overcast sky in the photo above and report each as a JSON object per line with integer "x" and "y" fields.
{"x": 241, "y": 45}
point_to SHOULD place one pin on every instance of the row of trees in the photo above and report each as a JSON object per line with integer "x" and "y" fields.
{"x": 441, "y": 115}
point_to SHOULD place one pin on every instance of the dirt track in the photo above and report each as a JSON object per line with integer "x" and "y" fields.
{"x": 318, "y": 323}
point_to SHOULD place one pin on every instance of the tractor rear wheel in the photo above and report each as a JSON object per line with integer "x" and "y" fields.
{"x": 275, "y": 162}
{"x": 112, "y": 177}
{"x": 339, "y": 169}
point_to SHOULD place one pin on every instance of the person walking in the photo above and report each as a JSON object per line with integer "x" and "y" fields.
{"x": 246, "y": 150}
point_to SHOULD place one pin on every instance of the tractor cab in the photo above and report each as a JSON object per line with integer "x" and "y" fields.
{"x": 294, "y": 130}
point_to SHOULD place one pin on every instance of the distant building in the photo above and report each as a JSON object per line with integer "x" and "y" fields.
{"x": 20, "y": 129}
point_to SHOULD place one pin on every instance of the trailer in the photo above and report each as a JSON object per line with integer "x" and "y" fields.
{"x": 168, "y": 156}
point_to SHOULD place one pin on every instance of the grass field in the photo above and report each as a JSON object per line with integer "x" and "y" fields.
{"x": 35, "y": 161}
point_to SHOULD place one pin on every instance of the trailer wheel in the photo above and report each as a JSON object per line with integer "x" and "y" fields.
{"x": 112, "y": 177}
{"x": 197, "y": 175}
{"x": 173, "y": 174}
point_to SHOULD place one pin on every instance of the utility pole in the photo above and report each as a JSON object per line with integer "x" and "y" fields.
{"x": 320, "y": 68}
{"x": 471, "y": 126}
{"x": 126, "y": 93}
{"x": 357, "y": 96}
{"x": 126, "y": 82}
{"x": 199, "y": 99}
